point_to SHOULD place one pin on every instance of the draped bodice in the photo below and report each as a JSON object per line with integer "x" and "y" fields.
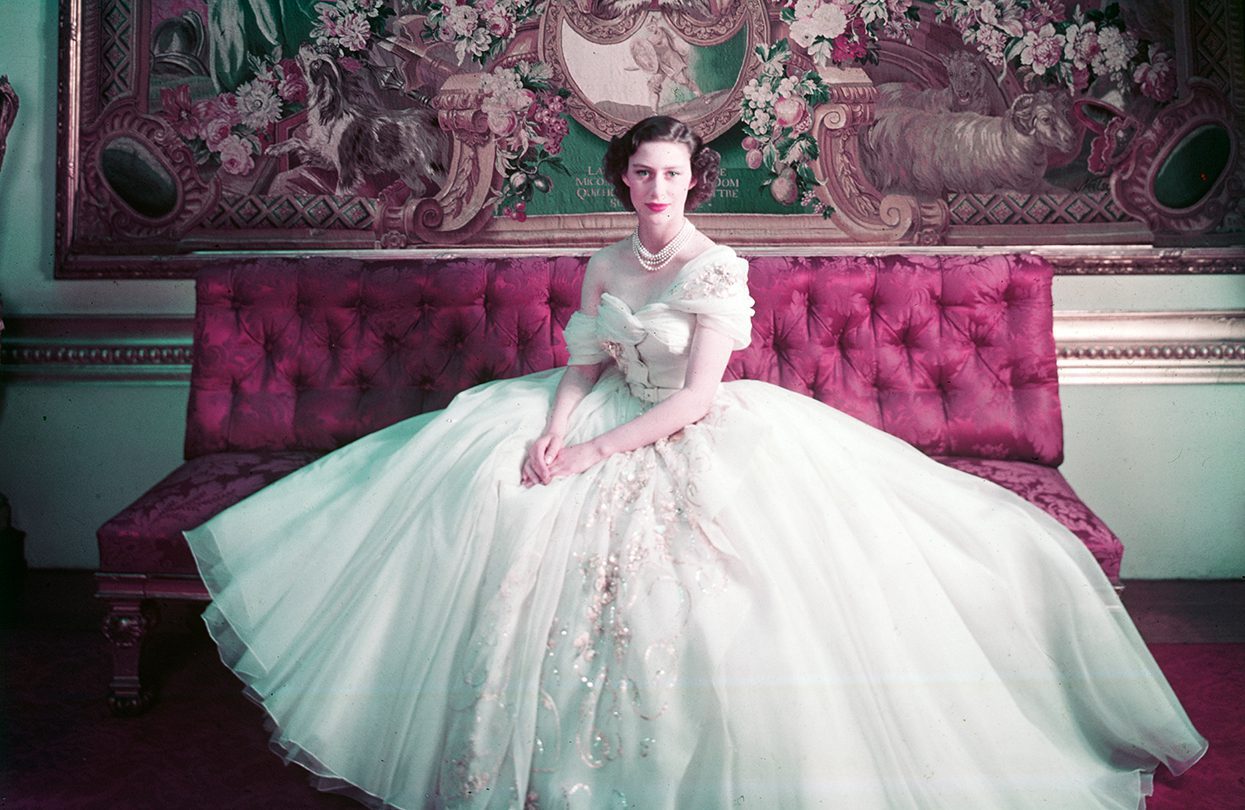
{"x": 650, "y": 345}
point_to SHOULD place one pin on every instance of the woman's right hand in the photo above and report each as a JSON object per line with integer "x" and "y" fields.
{"x": 540, "y": 457}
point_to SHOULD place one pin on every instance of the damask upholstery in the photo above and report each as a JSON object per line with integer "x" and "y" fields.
{"x": 295, "y": 357}
{"x": 310, "y": 354}
{"x": 1044, "y": 486}
{"x": 954, "y": 354}
{"x": 147, "y": 536}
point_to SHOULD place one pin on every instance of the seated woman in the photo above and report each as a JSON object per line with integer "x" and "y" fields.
{"x": 627, "y": 583}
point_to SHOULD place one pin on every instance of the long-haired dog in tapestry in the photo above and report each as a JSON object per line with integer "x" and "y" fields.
{"x": 350, "y": 130}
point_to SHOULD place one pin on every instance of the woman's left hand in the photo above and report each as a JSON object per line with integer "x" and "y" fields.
{"x": 575, "y": 459}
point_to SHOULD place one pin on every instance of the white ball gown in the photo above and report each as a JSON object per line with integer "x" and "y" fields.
{"x": 777, "y": 607}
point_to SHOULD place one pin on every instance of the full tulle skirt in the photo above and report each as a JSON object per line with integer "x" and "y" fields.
{"x": 778, "y": 607}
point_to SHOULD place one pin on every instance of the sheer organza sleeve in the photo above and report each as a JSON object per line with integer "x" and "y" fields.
{"x": 716, "y": 292}
{"x": 582, "y": 343}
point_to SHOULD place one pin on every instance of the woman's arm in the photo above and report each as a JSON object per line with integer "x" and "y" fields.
{"x": 575, "y": 384}
{"x": 710, "y": 352}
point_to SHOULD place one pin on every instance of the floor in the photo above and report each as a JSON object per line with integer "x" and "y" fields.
{"x": 1187, "y": 611}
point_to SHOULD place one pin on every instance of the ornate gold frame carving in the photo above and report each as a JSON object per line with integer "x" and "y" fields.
{"x": 9, "y": 103}
{"x": 1107, "y": 260}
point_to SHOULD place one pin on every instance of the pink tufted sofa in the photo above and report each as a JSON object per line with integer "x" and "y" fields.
{"x": 293, "y": 358}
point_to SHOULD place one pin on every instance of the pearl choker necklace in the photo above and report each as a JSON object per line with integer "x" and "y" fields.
{"x": 652, "y": 262}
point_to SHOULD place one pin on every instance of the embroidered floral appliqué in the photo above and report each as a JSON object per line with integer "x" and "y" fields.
{"x": 615, "y": 350}
{"x": 719, "y": 280}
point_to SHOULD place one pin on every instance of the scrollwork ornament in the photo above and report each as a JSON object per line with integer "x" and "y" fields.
{"x": 601, "y": 30}
{"x": 835, "y": 116}
{"x": 105, "y": 214}
{"x": 712, "y": 31}
{"x": 562, "y": 15}
{"x": 459, "y": 113}
{"x": 860, "y": 209}
{"x": 1133, "y": 183}
{"x": 463, "y": 207}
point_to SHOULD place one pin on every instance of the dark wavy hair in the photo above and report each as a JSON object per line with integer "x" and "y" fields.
{"x": 706, "y": 163}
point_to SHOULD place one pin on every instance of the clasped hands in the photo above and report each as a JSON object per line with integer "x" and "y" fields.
{"x": 548, "y": 459}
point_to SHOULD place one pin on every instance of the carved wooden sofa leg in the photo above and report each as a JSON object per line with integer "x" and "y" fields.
{"x": 131, "y": 615}
{"x": 126, "y": 626}
{"x": 132, "y": 600}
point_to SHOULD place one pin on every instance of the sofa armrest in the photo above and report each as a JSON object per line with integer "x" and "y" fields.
{"x": 1046, "y": 488}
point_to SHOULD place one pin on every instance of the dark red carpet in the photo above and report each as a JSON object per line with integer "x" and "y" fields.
{"x": 203, "y": 746}
{"x": 1210, "y": 680}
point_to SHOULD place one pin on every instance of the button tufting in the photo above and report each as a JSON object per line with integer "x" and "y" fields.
{"x": 835, "y": 334}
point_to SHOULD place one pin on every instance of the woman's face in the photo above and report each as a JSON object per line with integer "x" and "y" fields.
{"x": 658, "y": 176}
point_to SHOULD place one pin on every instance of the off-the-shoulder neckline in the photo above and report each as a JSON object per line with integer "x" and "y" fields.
{"x": 678, "y": 277}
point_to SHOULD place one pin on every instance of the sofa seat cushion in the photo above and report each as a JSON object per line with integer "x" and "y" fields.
{"x": 146, "y": 537}
{"x": 1045, "y": 487}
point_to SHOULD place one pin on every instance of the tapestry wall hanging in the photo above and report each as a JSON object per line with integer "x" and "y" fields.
{"x": 194, "y": 129}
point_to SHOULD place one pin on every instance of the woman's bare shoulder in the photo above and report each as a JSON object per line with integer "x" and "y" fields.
{"x": 607, "y": 259}
{"x": 611, "y": 253}
{"x": 601, "y": 266}
{"x": 697, "y": 246}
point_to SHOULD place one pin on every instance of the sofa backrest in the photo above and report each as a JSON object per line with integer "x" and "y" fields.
{"x": 954, "y": 354}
